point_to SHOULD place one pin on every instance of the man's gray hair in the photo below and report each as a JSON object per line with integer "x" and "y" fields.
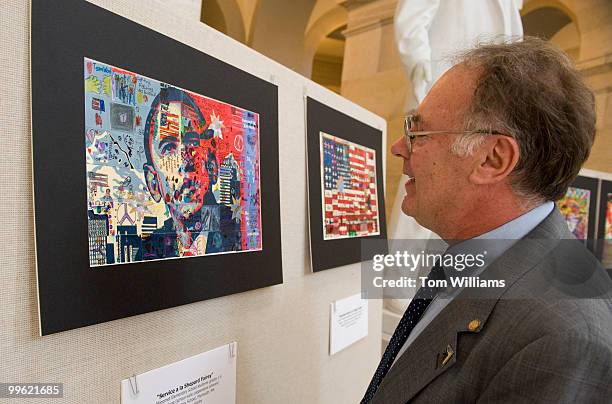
{"x": 530, "y": 90}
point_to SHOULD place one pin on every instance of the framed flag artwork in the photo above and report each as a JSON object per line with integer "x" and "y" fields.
{"x": 345, "y": 186}
{"x": 579, "y": 207}
{"x": 604, "y": 231}
{"x": 155, "y": 170}
{"x": 348, "y": 185}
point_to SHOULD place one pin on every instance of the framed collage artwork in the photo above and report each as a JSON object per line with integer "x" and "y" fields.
{"x": 149, "y": 161}
{"x": 604, "y": 232}
{"x": 579, "y": 208}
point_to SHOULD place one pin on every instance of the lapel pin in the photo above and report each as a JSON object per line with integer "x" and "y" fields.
{"x": 473, "y": 325}
{"x": 445, "y": 357}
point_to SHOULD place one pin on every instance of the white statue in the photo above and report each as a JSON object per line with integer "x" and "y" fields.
{"x": 427, "y": 32}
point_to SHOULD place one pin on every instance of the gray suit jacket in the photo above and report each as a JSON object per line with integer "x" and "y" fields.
{"x": 546, "y": 337}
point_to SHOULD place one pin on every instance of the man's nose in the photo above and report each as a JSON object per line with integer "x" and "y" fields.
{"x": 399, "y": 148}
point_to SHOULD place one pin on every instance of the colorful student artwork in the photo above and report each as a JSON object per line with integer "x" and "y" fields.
{"x": 170, "y": 173}
{"x": 606, "y": 256}
{"x": 574, "y": 206}
{"x": 348, "y": 184}
{"x": 608, "y": 225}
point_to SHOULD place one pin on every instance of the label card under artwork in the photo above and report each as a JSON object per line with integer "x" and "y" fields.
{"x": 348, "y": 322}
{"x": 209, "y": 377}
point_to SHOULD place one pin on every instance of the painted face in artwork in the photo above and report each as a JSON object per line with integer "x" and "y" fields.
{"x": 180, "y": 172}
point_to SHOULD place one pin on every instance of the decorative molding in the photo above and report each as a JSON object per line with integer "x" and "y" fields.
{"x": 598, "y": 65}
{"x": 365, "y": 15}
{"x": 353, "y": 4}
{"x": 367, "y": 27}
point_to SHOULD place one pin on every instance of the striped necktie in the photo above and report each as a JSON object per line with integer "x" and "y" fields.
{"x": 411, "y": 317}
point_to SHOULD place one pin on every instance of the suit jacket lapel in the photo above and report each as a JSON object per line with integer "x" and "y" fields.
{"x": 423, "y": 361}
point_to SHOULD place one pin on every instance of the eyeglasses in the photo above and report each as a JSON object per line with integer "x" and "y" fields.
{"x": 410, "y": 132}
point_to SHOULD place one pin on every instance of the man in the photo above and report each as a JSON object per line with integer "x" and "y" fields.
{"x": 181, "y": 171}
{"x": 498, "y": 138}
{"x": 425, "y": 32}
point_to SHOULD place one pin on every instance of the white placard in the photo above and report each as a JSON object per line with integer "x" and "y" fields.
{"x": 207, "y": 378}
{"x": 348, "y": 322}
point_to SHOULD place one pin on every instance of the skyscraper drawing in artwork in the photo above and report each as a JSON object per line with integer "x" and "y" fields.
{"x": 170, "y": 173}
{"x": 574, "y": 206}
{"x": 348, "y": 184}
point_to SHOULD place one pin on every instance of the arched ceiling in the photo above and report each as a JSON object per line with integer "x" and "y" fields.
{"x": 545, "y": 22}
{"x": 224, "y": 16}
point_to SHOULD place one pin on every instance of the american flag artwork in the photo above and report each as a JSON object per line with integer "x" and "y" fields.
{"x": 349, "y": 193}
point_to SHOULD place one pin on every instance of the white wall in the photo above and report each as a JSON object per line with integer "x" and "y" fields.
{"x": 282, "y": 330}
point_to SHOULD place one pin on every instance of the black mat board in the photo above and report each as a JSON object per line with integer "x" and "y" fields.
{"x": 326, "y": 254}
{"x": 71, "y": 294}
{"x": 602, "y": 243}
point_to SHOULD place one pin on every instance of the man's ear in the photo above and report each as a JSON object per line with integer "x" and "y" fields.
{"x": 495, "y": 160}
{"x": 152, "y": 179}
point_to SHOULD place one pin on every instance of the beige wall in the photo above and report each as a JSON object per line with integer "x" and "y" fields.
{"x": 282, "y": 331}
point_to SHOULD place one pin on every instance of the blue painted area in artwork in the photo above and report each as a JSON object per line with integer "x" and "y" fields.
{"x": 249, "y": 159}
{"x": 335, "y": 165}
{"x": 329, "y": 168}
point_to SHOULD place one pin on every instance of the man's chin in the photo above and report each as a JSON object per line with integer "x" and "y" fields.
{"x": 408, "y": 207}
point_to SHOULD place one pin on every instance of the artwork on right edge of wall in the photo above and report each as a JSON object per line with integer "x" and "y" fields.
{"x": 345, "y": 186}
{"x": 579, "y": 208}
{"x": 604, "y": 233}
